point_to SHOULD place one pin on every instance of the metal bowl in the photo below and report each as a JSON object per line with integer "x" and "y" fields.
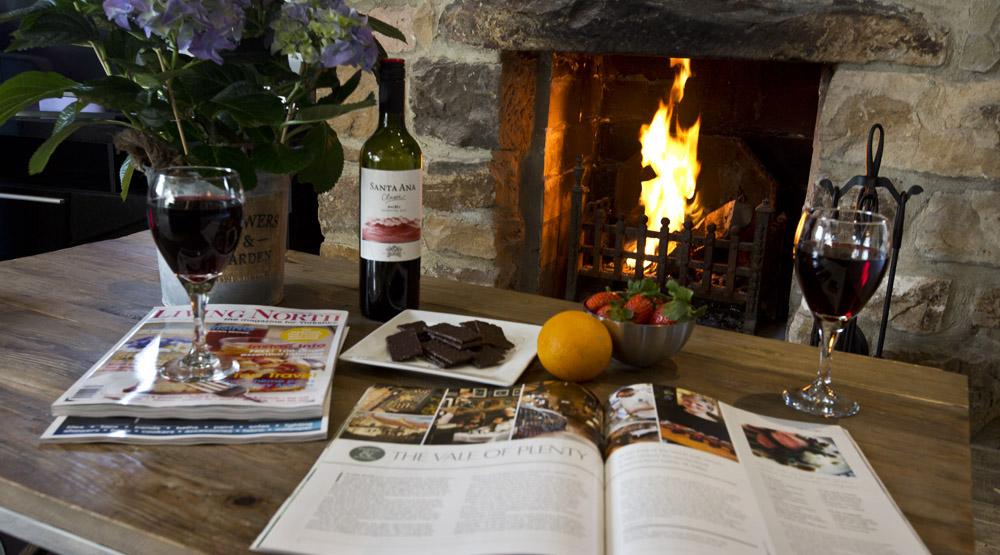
{"x": 644, "y": 345}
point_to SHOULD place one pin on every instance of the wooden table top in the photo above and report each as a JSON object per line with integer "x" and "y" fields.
{"x": 60, "y": 311}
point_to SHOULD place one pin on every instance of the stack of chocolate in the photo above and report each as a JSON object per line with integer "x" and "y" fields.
{"x": 446, "y": 345}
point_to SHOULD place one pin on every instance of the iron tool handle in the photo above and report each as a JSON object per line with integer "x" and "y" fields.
{"x": 872, "y": 165}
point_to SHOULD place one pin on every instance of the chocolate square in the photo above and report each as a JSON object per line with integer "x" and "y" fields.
{"x": 493, "y": 335}
{"x": 404, "y": 345}
{"x": 420, "y": 327}
{"x": 444, "y": 355}
{"x": 488, "y": 356}
{"x": 458, "y": 337}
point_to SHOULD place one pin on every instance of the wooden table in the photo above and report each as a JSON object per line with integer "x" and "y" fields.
{"x": 60, "y": 311}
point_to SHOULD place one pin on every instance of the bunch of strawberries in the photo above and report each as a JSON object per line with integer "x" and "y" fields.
{"x": 644, "y": 303}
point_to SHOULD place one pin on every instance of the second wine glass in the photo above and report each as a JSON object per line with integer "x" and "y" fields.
{"x": 840, "y": 259}
{"x": 196, "y": 216}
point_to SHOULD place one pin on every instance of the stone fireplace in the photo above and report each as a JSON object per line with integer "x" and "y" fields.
{"x": 482, "y": 78}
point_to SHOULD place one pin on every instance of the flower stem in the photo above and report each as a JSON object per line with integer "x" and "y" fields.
{"x": 291, "y": 113}
{"x": 173, "y": 102}
{"x": 101, "y": 58}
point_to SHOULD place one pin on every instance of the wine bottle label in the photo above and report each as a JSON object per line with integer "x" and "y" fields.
{"x": 391, "y": 213}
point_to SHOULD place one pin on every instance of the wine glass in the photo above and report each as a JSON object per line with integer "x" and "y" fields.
{"x": 196, "y": 216}
{"x": 840, "y": 259}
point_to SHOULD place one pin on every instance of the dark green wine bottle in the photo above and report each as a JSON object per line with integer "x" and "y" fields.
{"x": 391, "y": 204}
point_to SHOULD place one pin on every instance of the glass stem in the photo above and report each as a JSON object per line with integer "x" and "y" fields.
{"x": 829, "y": 331}
{"x": 198, "y": 292}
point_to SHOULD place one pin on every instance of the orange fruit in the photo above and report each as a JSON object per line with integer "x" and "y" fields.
{"x": 574, "y": 346}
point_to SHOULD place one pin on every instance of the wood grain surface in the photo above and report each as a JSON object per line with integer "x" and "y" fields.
{"x": 60, "y": 311}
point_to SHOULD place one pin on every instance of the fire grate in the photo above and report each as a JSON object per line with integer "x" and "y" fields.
{"x": 720, "y": 267}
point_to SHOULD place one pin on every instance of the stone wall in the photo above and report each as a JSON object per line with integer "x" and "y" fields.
{"x": 943, "y": 133}
{"x": 452, "y": 112}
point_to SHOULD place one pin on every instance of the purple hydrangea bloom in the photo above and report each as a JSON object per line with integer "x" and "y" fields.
{"x": 199, "y": 28}
{"x": 119, "y": 10}
{"x": 325, "y": 32}
{"x": 357, "y": 50}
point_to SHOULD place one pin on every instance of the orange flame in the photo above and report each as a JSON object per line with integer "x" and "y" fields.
{"x": 672, "y": 152}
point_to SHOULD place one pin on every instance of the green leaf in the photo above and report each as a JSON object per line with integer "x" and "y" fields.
{"x": 125, "y": 175}
{"x": 384, "y": 28}
{"x": 41, "y": 156}
{"x": 66, "y": 116}
{"x": 282, "y": 159}
{"x": 679, "y": 292}
{"x": 29, "y": 87}
{"x": 22, "y": 12}
{"x": 249, "y": 105}
{"x": 323, "y": 112}
{"x": 328, "y": 161}
{"x": 227, "y": 157}
{"x": 52, "y": 27}
{"x": 113, "y": 92}
{"x": 340, "y": 93}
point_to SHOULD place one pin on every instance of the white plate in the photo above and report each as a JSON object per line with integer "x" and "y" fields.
{"x": 372, "y": 349}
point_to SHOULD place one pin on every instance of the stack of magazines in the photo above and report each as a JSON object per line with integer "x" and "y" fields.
{"x": 286, "y": 360}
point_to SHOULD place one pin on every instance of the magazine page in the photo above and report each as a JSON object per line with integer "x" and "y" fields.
{"x": 673, "y": 478}
{"x": 175, "y": 431}
{"x": 815, "y": 488}
{"x": 469, "y": 470}
{"x": 285, "y": 358}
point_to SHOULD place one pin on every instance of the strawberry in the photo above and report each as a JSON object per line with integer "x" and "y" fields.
{"x": 641, "y": 307}
{"x": 605, "y": 311}
{"x": 598, "y": 300}
{"x": 660, "y": 318}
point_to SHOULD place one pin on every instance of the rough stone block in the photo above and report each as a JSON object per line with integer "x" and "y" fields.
{"x": 980, "y": 53}
{"x": 918, "y": 304}
{"x": 464, "y": 269}
{"x": 359, "y": 124}
{"x": 340, "y": 245}
{"x": 338, "y": 209}
{"x": 960, "y": 227}
{"x": 932, "y": 124}
{"x": 456, "y": 102}
{"x": 762, "y": 29}
{"x": 465, "y": 233}
{"x": 986, "y": 311}
{"x": 458, "y": 187}
{"x": 415, "y": 22}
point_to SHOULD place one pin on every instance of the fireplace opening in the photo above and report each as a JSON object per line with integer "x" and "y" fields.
{"x": 722, "y": 148}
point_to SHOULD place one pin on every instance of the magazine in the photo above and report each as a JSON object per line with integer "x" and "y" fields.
{"x": 175, "y": 431}
{"x": 286, "y": 360}
{"x": 550, "y": 468}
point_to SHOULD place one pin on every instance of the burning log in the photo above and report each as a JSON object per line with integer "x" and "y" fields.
{"x": 730, "y": 218}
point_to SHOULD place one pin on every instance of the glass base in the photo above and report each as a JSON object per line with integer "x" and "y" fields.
{"x": 197, "y": 367}
{"x": 820, "y": 400}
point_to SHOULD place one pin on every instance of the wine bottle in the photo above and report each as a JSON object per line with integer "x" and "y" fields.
{"x": 391, "y": 205}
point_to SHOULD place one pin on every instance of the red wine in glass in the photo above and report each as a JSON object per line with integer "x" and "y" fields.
{"x": 196, "y": 216}
{"x": 838, "y": 280}
{"x": 840, "y": 259}
{"x": 196, "y": 234}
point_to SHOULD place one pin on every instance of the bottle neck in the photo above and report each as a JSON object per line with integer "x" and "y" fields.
{"x": 391, "y": 103}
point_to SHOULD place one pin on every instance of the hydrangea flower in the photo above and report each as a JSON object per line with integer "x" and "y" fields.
{"x": 327, "y": 32}
{"x": 199, "y": 28}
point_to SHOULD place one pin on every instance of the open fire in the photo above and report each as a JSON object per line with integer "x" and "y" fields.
{"x": 671, "y": 150}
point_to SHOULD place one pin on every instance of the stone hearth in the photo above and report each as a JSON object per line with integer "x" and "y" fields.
{"x": 926, "y": 69}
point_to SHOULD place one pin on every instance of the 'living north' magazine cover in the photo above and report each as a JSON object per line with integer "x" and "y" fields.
{"x": 286, "y": 359}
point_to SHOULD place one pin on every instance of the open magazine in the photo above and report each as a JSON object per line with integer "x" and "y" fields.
{"x": 286, "y": 361}
{"x": 550, "y": 468}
